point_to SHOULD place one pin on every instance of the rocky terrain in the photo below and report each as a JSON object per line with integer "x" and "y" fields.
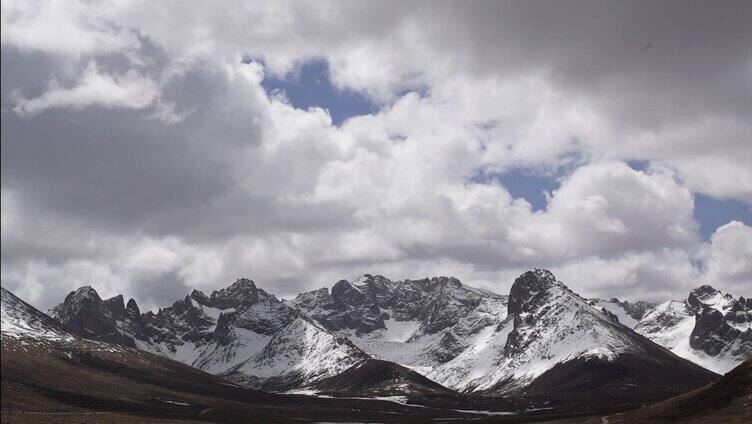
{"x": 554, "y": 343}
{"x": 419, "y": 324}
{"x": 435, "y": 342}
{"x": 709, "y": 328}
{"x": 432, "y": 335}
{"x": 628, "y": 313}
{"x": 52, "y": 376}
{"x": 728, "y": 400}
{"x": 240, "y": 331}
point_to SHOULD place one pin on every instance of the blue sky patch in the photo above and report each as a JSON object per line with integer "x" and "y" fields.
{"x": 638, "y": 165}
{"x": 521, "y": 183}
{"x": 711, "y": 213}
{"x": 311, "y": 86}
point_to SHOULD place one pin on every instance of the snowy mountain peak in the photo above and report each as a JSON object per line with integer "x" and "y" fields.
{"x": 132, "y": 307}
{"x": 296, "y": 356}
{"x": 311, "y": 299}
{"x": 529, "y": 288}
{"x": 706, "y": 295}
{"x": 628, "y": 313}
{"x": 200, "y": 297}
{"x": 372, "y": 281}
{"x": 703, "y": 291}
{"x": 444, "y": 283}
{"x": 242, "y": 292}
{"x": 549, "y": 333}
{"x": 538, "y": 303}
{"x": 374, "y": 287}
{"x": 345, "y": 292}
{"x": 709, "y": 328}
{"x": 82, "y": 294}
{"x": 84, "y": 313}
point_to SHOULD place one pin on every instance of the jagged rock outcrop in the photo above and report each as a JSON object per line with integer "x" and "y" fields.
{"x": 216, "y": 333}
{"x": 555, "y": 337}
{"x": 709, "y": 328}
{"x": 458, "y": 336}
{"x": 84, "y": 313}
{"x": 416, "y": 323}
{"x": 628, "y": 313}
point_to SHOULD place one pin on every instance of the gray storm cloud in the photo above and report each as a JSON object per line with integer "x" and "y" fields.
{"x": 144, "y": 156}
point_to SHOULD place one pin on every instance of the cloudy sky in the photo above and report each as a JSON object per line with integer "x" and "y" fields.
{"x": 149, "y": 148}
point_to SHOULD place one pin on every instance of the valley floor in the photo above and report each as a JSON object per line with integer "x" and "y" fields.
{"x": 84, "y": 418}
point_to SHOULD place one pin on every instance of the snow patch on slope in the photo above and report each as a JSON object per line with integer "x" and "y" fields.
{"x": 670, "y": 325}
{"x": 217, "y": 358}
{"x": 19, "y": 320}
{"x": 619, "y": 311}
{"x": 476, "y": 361}
{"x": 304, "y": 349}
{"x": 548, "y": 325}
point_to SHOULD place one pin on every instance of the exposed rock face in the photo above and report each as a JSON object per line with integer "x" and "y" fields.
{"x": 530, "y": 290}
{"x": 242, "y": 293}
{"x": 215, "y": 333}
{"x": 740, "y": 311}
{"x": 709, "y": 328}
{"x": 416, "y": 323}
{"x": 132, "y": 308}
{"x": 636, "y": 310}
{"x": 703, "y": 296}
{"x": 351, "y": 308}
{"x": 363, "y": 306}
{"x": 711, "y": 332}
{"x": 459, "y": 336}
{"x": 84, "y": 313}
{"x": 555, "y": 334}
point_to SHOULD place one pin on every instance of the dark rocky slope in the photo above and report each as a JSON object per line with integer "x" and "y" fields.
{"x": 729, "y": 400}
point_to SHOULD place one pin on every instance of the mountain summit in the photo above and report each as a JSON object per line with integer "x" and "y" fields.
{"x": 542, "y": 339}
{"x": 708, "y": 327}
{"x": 554, "y": 342}
{"x": 241, "y": 332}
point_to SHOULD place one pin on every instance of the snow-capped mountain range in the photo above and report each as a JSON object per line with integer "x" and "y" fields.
{"x": 466, "y": 339}
{"x": 709, "y": 328}
{"x": 419, "y": 324}
{"x": 27, "y": 331}
{"x": 241, "y": 331}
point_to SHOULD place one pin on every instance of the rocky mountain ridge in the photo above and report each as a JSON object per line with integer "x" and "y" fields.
{"x": 416, "y": 323}
{"x": 461, "y": 337}
{"x": 51, "y": 375}
{"x": 553, "y": 335}
{"x": 708, "y": 327}
{"x": 232, "y": 330}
